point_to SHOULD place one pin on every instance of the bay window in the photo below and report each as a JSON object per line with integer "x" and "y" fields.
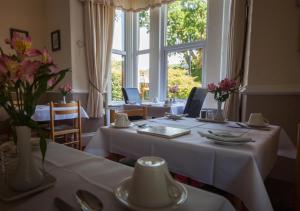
{"x": 163, "y": 47}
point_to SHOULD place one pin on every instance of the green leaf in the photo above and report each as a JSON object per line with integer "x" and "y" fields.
{"x": 43, "y": 147}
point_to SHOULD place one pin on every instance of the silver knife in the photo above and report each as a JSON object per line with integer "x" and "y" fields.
{"x": 62, "y": 205}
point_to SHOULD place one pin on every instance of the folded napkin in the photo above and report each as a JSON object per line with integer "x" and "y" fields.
{"x": 225, "y": 138}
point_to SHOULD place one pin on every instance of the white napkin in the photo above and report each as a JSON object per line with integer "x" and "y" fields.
{"x": 230, "y": 138}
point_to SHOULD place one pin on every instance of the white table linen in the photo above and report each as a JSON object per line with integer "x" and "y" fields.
{"x": 239, "y": 170}
{"x": 77, "y": 170}
{"x": 159, "y": 109}
{"x": 42, "y": 113}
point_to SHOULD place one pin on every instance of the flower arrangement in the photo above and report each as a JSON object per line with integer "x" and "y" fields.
{"x": 65, "y": 90}
{"x": 223, "y": 89}
{"x": 25, "y": 76}
{"x": 174, "y": 90}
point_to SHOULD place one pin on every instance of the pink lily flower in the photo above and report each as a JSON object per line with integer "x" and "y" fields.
{"x": 21, "y": 44}
{"x": 28, "y": 70}
{"x": 32, "y": 53}
{"x": 46, "y": 58}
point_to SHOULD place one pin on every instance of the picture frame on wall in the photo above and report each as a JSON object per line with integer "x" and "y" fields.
{"x": 55, "y": 40}
{"x": 20, "y": 32}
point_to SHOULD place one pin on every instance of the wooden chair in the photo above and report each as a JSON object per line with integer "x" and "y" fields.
{"x": 140, "y": 112}
{"x": 65, "y": 130}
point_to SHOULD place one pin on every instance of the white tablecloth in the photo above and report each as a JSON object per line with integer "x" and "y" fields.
{"x": 239, "y": 170}
{"x": 42, "y": 113}
{"x": 159, "y": 109}
{"x": 77, "y": 170}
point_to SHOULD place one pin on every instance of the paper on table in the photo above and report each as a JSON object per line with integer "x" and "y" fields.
{"x": 228, "y": 139}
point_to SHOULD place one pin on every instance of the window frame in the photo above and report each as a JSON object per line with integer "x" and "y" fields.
{"x": 166, "y": 49}
{"x": 120, "y": 53}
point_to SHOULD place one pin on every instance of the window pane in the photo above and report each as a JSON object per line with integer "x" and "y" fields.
{"x": 185, "y": 71}
{"x": 143, "y": 75}
{"x": 143, "y": 29}
{"x": 117, "y": 70}
{"x": 119, "y": 30}
{"x": 186, "y": 21}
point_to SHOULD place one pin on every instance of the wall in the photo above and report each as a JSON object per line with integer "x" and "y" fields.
{"x": 274, "y": 63}
{"x": 26, "y": 15}
{"x": 58, "y": 18}
{"x": 79, "y": 71}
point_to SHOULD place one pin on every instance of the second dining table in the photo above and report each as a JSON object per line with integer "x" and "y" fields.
{"x": 239, "y": 169}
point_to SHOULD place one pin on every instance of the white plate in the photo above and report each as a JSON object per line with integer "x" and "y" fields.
{"x": 121, "y": 193}
{"x": 229, "y": 143}
{"x": 115, "y": 126}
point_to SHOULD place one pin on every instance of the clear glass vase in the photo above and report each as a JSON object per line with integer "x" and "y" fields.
{"x": 219, "y": 113}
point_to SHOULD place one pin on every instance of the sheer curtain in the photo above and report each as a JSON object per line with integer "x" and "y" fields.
{"x": 237, "y": 39}
{"x": 98, "y": 29}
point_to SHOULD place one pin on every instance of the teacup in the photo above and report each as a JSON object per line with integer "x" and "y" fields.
{"x": 257, "y": 119}
{"x": 122, "y": 120}
{"x": 152, "y": 185}
{"x": 155, "y": 100}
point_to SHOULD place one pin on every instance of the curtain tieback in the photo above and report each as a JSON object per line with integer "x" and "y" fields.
{"x": 95, "y": 87}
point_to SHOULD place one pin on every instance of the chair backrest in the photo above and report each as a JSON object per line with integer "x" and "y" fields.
{"x": 57, "y": 109}
{"x": 195, "y": 101}
{"x": 141, "y": 112}
{"x": 131, "y": 95}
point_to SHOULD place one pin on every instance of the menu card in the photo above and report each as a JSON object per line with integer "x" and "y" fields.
{"x": 164, "y": 131}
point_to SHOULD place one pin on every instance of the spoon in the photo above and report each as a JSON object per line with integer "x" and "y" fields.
{"x": 88, "y": 201}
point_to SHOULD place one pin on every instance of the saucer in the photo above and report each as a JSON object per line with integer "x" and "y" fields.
{"x": 115, "y": 126}
{"x": 122, "y": 193}
{"x": 251, "y": 125}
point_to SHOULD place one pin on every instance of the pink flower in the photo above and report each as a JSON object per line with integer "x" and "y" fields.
{"x": 32, "y": 53}
{"x": 227, "y": 84}
{"x": 9, "y": 67}
{"x": 51, "y": 82}
{"x": 211, "y": 87}
{"x": 174, "y": 89}
{"x": 28, "y": 70}
{"x": 54, "y": 69}
{"x": 20, "y": 44}
{"x": 66, "y": 89}
{"x": 46, "y": 58}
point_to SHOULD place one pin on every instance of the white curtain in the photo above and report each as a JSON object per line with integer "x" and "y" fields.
{"x": 133, "y": 5}
{"x": 236, "y": 53}
{"x": 98, "y": 29}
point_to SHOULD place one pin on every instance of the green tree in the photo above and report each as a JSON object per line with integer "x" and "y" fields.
{"x": 186, "y": 22}
{"x": 116, "y": 77}
{"x": 185, "y": 82}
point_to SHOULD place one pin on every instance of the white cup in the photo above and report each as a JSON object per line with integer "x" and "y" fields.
{"x": 155, "y": 100}
{"x": 122, "y": 120}
{"x": 257, "y": 119}
{"x": 152, "y": 185}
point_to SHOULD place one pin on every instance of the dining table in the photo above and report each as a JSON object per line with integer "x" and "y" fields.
{"x": 42, "y": 113}
{"x": 237, "y": 169}
{"x": 74, "y": 170}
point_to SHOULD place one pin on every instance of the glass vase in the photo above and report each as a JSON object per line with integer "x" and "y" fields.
{"x": 219, "y": 113}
